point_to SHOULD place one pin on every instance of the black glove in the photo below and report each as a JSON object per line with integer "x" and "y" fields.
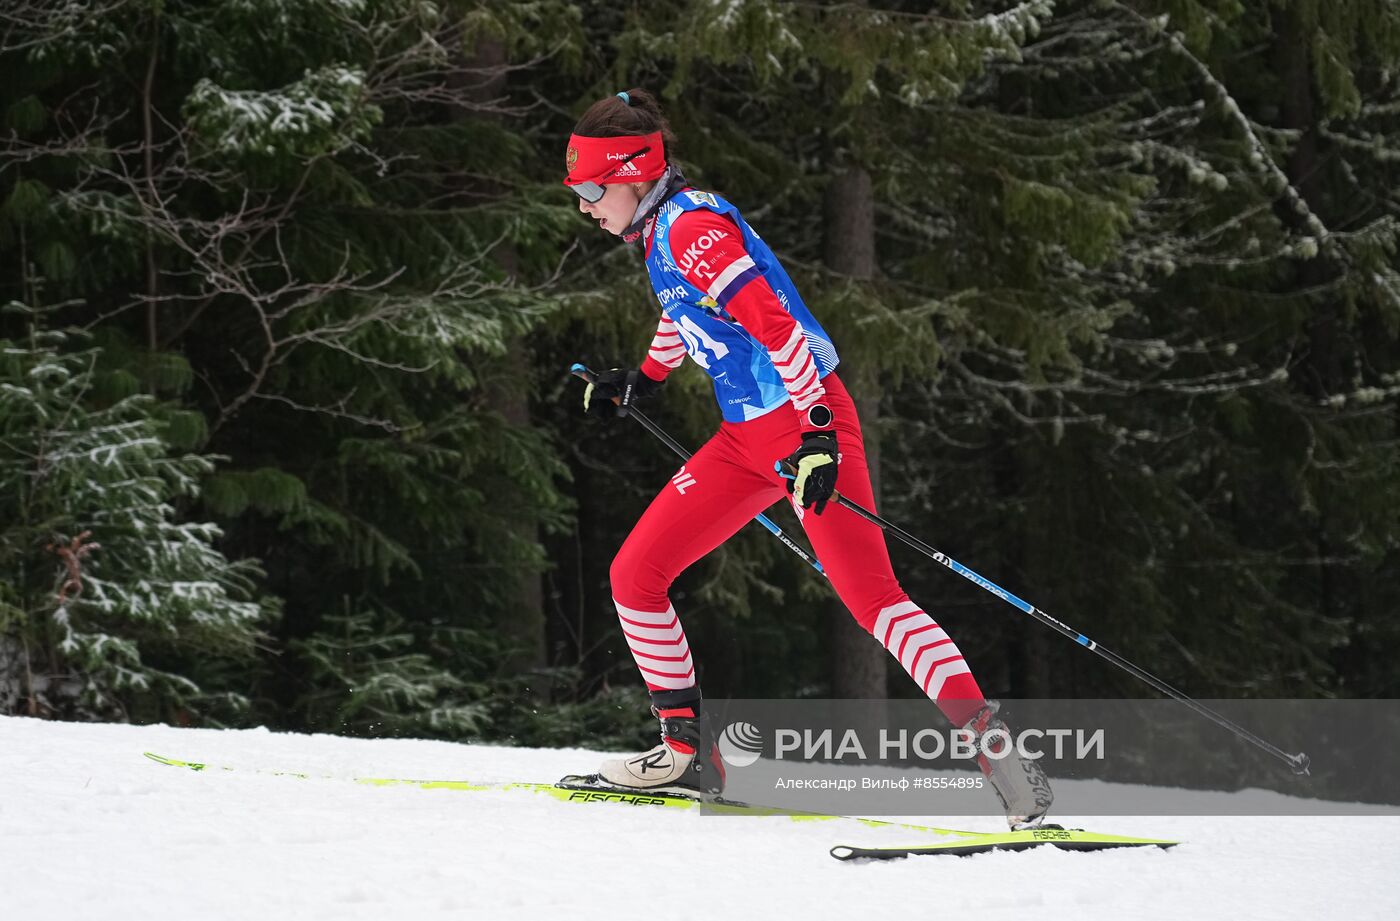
{"x": 815, "y": 467}
{"x": 613, "y": 392}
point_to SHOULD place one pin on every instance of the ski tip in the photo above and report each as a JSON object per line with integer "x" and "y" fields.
{"x": 175, "y": 762}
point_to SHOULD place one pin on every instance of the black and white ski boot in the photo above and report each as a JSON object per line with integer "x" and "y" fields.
{"x": 1020, "y": 783}
{"x": 685, "y": 763}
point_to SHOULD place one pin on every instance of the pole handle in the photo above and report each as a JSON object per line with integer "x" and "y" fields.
{"x": 584, "y": 374}
{"x": 785, "y": 470}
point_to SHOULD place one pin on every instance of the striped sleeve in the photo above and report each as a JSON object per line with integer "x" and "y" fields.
{"x": 709, "y": 250}
{"x": 666, "y": 352}
{"x": 758, "y": 310}
{"x": 798, "y": 370}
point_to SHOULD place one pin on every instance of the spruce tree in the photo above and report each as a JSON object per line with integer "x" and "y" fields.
{"x": 115, "y": 601}
{"x": 270, "y": 195}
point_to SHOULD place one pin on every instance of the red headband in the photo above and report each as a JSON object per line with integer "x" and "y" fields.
{"x": 589, "y": 158}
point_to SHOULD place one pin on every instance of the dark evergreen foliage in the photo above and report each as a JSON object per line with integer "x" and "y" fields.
{"x": 1132, "y": 334}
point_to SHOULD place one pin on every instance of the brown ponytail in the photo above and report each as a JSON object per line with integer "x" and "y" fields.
{"x": 610, "y": 117}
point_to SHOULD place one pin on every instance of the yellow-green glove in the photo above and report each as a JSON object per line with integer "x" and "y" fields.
{"x": 815, "y": 466}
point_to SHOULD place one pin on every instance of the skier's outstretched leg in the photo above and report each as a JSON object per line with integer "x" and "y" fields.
{"x": 705, "y": 502}
{"x": 856, "y": 559}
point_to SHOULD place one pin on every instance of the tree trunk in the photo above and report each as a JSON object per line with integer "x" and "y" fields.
{"x": 858, "y": 667}
{"x": 1323, "y": 371}
{"x": 520, "y": 623}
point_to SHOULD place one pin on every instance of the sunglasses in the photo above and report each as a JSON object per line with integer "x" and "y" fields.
{"x": 594, "y": 190}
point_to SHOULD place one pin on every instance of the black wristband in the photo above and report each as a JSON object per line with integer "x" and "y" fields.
{"x": 820, "y": 417}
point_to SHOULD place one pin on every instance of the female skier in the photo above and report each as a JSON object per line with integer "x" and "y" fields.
{"x": 727, "y": 302}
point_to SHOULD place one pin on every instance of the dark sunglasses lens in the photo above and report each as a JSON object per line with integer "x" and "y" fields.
{"x": 590, "y": 192}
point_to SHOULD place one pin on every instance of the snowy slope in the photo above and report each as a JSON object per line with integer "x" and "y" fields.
{"x": 91, "y": 830}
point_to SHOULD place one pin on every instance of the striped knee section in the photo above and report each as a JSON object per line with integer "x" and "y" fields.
{"x": 658, "y": 647}
{"x": 927, "y": 654}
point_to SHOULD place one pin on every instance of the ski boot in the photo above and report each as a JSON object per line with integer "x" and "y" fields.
{"x": 1020, "y": 783}
{"x": 685, "y": 763}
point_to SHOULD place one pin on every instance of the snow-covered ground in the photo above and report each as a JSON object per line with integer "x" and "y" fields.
{"x": 89, "y": 829}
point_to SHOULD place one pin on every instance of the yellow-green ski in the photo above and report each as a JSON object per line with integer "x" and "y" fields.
{"x": 580, "y": 794}
{"x": 960, "y": 843}
{"x": 1069, "y": 839}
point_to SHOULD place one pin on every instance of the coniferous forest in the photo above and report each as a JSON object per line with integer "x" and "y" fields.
{"x": 291, "y": 289}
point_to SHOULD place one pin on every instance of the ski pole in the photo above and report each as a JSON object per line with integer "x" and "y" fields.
{"x": 1299, "y": 762}
{"x": 582, "y": 373}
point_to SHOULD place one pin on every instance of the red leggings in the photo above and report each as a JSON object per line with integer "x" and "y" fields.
{"x": 728, "y": 482}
